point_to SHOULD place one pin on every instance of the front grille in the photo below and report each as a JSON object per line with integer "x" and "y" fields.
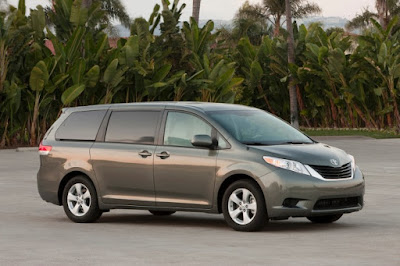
{"x": 328, "y": 172}
{"x": 340, "y": 203}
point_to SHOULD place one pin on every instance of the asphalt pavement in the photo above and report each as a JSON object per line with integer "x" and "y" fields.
{"x": 33, "y": 232}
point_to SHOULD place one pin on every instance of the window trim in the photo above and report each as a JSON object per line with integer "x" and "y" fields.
{"x": 104, "y": 126}
{"x": 214, "y": 131}
{"x": 101, "y": 135}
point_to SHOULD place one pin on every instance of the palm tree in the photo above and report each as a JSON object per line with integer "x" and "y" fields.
{"x": 294, "y": 112}
{"x": 382, "y": 8}
{"x": 254, "y": 27}
{"x": 274, "y": 11}
{"x": 115, "y": 9}
{"x": 112, "y": 10}
{"x": 101, "y": 13}
{"x": 196, "y": 10}
{"x": 3, "y": 51}
{"x": 385, "y": 11}
{"x": 361, "y": 21}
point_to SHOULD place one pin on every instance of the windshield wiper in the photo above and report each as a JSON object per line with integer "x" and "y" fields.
{"x": 295, "y": 142}
{"x": 256, "y": 143}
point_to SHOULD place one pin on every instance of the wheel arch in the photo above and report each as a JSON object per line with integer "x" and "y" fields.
{"x": 67, "y": 178}
{"x": 230, "y": 180}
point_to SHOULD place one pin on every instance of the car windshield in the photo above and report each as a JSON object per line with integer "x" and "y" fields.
{"x": 256, "y": 127}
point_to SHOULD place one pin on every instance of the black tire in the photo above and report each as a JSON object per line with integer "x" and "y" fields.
{"x": 162, "y": 213}
{"x": 93, "y": 213}
{"x": 259, "y": 219}
{"x": 326, "y": 219}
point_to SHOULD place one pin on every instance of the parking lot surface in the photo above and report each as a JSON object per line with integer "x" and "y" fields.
{"x": 33, "y": 232}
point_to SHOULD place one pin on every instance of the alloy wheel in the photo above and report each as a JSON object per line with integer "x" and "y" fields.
{"x": 242, "y": 206}
{"x": 79, "y": 199}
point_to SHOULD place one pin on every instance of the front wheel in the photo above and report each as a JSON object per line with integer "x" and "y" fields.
{"x": 326, "y": 219}
{"x": 243, "y": 206}
{"x": 80, "y": 200}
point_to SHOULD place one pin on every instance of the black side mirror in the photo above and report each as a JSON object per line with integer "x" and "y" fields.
{"x": 204, "y": 141}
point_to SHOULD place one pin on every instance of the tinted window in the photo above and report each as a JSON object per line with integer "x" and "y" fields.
{"x": 181, "y": 128}
{"x": 137, "y": 127}
{"x": 81, "y": 126}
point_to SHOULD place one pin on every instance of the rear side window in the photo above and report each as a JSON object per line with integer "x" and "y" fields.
{"x": 137, "y": 127}
{"x": 82, "y": 126}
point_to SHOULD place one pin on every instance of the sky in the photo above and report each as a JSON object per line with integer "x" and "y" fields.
{"x": 226, "y": 9}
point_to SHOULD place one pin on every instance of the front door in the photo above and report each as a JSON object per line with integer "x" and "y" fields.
{"x": 184, "y": 175}
{"x": 123, "y": 163}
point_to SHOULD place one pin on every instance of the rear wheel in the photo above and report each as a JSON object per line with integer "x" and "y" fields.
{"x": 162, "y": 213}
{"x": 243, "y": 206}
{"x": 326, "y": 219}
{"x": 80, "y": 200}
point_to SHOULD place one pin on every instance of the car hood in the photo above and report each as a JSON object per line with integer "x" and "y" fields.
{"x": 311, "y": 154}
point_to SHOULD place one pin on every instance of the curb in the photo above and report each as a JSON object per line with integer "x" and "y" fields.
{"x": 25, "y": 149}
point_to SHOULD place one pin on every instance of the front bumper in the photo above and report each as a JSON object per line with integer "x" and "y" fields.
{"x": 302, "y": 193}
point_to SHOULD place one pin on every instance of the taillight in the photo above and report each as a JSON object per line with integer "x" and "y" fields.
{"x": 44, "y": 150}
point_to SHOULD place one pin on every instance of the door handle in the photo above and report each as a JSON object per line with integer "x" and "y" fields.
{"x": 145, "y": 154}
{"x": 163, "y": 155}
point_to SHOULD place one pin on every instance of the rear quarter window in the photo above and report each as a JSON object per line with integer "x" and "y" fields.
{"x": 81, "y": 126}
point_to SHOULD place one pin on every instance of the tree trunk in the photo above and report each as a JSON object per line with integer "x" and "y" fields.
{"x": 385, "y": 98}
{"x": 301, "y": 105}
{"x": 87, "y": 3}
{"x": 261, "y": 92}
{"x": 106, "y": 98}
{"x": 3, "y": 64}
{"x": 294, "y": 112}
{"x": 396, "y": 112}
{"x": 334, "y": 114}
{"x": 367, "y": 122}
{"x": 43, "y": 128}
{"x": 381, "y": 6}
{"x": 178, "y": 94}
{"x": 350, "y": 110}
{"x": 34, "y": 119}
{"x": 127, "y": 96}
{"x": 165, "y": 5}
{"x": 196, "y": 10}
{"x": 277, "y": 27}
{"x": 3, "y": 138}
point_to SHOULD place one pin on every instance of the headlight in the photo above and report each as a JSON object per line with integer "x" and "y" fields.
{"x": 287, "y": 164}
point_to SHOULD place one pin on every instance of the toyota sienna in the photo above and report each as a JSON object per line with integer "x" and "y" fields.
{"x": 190, "y": 156}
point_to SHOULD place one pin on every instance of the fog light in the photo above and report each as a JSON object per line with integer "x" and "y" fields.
{"x": 290, "y": 203}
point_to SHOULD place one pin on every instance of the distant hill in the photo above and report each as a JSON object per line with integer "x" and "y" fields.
{"x": 125, "y": 32}
{"x": 327, "y": 22}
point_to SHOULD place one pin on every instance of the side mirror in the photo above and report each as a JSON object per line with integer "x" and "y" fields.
{"x": 204, "y": 141}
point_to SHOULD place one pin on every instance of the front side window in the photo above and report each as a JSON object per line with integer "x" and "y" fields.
{"x": 181, "y": 128}
{"x": 222, "y": 143}
{"x": 137, "y": 127}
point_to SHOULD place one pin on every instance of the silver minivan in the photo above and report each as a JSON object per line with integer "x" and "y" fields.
{"x": 190, "y": 156}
